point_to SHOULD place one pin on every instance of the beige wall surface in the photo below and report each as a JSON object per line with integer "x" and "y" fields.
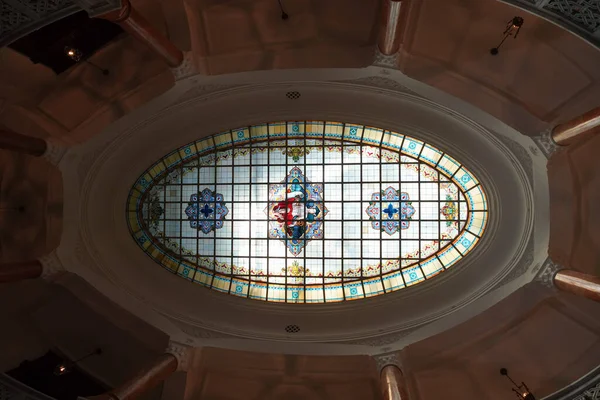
{"x": 543, "y": 338}
{"x": 545, "y": 76}
{"x": 574, "y": 178}
{"x": 232, "y": 375}
{"x": 35, "y": 185}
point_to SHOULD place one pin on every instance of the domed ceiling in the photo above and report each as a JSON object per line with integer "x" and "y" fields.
{"x": 307, "y": 211}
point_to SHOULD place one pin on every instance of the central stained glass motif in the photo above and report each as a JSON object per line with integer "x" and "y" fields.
{"x": 307, "y": 211}
{"x": 296, "y": 211}
{"x": 206, "y": 211}
{"x": 390, "y": 210}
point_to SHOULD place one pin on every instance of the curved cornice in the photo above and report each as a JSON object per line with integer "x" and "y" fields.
{"x": 97, "y": 245}
{"x": 585, "y": 388}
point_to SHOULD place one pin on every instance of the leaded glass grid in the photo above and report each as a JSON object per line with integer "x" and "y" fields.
{"x": 307, "y": 211}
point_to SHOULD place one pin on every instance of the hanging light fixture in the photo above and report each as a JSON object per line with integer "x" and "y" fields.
{"x": 76, "y": 55}
{"x": 284, "y": 15}
{"x": 66, "y": 366}
{"x": 512, "y": 29}
{"x": 522, "y": 391}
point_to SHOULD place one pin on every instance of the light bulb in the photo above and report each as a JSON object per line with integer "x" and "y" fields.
{"x": 61, "y": 369}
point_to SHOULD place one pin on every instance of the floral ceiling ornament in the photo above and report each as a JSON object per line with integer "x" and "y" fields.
{"x": 295, "y": 269}
{"x": 296, "y": 211}
{"x": 296, "y": 152}
{"x": 206, "y": 211}
{"x": 450, "y": 212}
{"x": 390, "y": 210}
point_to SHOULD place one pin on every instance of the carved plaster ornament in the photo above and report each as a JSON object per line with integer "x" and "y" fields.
{"x": 381, "y": 60}
{"x": 51, "y": 266}
{"x": 55, "y": 151}
{"x": 186, "y": 69}
{"x": 545, "y": 142}
{"x": 547, "y": 273}
{"x": 181, "y": 352}
{"x": 384, "y": 360}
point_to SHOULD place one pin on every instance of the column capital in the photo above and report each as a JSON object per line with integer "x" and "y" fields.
{"x": 55, "y": 150}
{"x": 52, "y": 267}
{"x": 386, "y": 359}
{"x": 547, "y": 273}
{"x": 187, "y": 67}
{"x": 385, "y": 61}
{"x": 182, "y": 353}
{"x": 546, "y": 143}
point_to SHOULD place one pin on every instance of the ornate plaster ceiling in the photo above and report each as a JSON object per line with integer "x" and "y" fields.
{"x": 96, "y": 243}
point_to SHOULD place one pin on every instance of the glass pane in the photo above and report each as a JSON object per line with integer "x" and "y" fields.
{"x": 307, "y": 211}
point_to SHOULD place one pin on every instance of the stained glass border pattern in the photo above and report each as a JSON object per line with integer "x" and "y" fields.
{"x": 347, "y": 288}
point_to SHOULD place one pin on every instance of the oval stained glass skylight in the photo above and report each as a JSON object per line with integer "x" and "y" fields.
{"x": 307, "y": 211}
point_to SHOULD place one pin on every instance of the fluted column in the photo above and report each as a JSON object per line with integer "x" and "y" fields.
{"x": 14, "y": 272}
{"x": 578, "y": 283}
{"x": 390, "y": 35}
{"x": 393, "y": 386}
{"x": 17, "y": 142}
{"x": 175, "y": 358}
{"x": 50, "y": 149}
{"x": 584, "y": 125}
{"x": 137, "y": 26}
{"x": 47, "y": 267}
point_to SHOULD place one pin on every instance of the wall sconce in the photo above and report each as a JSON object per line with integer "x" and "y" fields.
{"x": 512, "y": 29}
{"x": 76, "y": 55}
{"x": 284, "y": 15}
{"x": 522, "y": 391}
{"x": 66, "y": 366}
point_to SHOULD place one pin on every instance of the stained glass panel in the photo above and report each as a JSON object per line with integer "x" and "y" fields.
{"x": 307, "y": 211}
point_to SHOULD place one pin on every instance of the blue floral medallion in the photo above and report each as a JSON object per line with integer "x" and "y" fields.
{"x": 390, "y": 210}
{"x": 296, "y": 211}
{"x": 206, "y": 211}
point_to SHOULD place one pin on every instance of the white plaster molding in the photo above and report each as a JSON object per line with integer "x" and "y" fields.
{"x": 546, "y": 274}
{"x": 206, "y": 105}
{"x": 55, "y": 151}
{"x": 201, "y": 91}
{"x": 316, "y": 90}
{"x": 545, "y": 142}
{"x": 182, "y": 353}
{"x": 202, "y": 333}
{"x": 383, "y": 339}
{"x": 187, "y": 67}
{"x": 52, "y": 267}
{"x": 384, "y": 360}
{"x": 383, "y": 83}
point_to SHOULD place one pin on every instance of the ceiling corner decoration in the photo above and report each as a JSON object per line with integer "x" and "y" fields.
{"x": 307, "y": 211}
